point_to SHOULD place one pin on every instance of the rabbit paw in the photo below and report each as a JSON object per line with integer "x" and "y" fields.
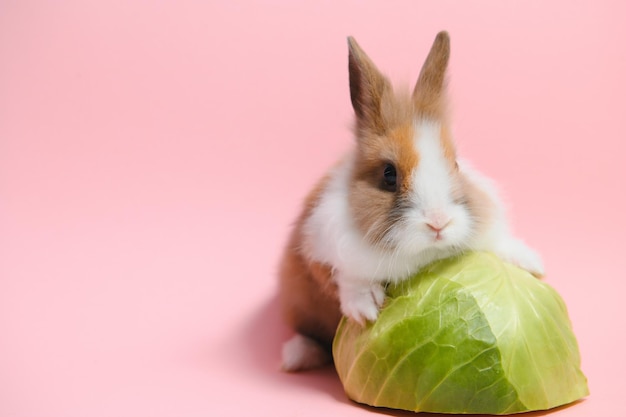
{"x": 520, "y": 255}
{"x": 301, "y": 353}
{"x": 361, "y": 302}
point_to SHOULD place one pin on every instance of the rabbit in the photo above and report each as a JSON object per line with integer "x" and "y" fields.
{"x": 399, "y": 200}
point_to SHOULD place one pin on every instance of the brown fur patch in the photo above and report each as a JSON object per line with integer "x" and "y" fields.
{"x": 374, "y": 208}
{"x": 307, "y": 292}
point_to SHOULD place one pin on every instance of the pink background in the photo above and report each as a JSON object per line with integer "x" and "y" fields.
{"x": 153, "y": 155}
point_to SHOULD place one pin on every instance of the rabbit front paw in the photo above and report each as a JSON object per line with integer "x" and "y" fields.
{"x": 361, "y": 301}
{"x": 520, "y": 255}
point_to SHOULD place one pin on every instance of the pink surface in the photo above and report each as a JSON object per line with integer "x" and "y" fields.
{"x": 153, "y": 155}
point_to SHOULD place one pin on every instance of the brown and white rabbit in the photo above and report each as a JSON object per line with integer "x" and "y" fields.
{"x": 400, "y": 200}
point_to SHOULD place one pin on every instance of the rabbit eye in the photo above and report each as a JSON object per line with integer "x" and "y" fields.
{"x": 390, "y": 178}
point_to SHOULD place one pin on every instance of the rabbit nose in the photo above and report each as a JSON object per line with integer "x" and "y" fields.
{"x": 437, "y": 226}
{"x": 437, "y": 221}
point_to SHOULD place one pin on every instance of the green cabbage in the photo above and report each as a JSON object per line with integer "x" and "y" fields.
{"x": 470, "y": 335}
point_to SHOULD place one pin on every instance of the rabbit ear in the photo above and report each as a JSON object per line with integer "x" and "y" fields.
{"x": 429, "y": 93}
{"x": 367, "y": 86}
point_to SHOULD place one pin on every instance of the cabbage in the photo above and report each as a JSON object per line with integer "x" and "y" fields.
{"x": 470, "y": 335}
